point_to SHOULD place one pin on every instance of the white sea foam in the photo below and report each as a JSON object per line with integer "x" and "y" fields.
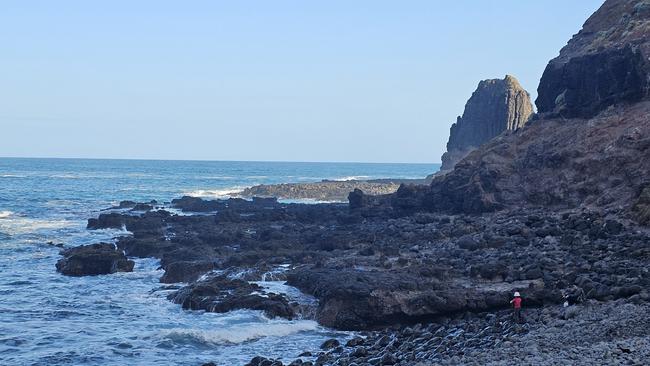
{"x": 12, "y": 176}
{"x": 281, "y": 287}
{"x": 215, "y": 193}
{"x": 240, "y": 333}
{"x": 12, "y": 224}
{"x": 352, "y": 177}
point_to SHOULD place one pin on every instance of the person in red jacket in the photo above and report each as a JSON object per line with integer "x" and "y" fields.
{"x": 516, "y": 303}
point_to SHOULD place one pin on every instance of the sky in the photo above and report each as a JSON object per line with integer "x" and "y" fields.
{"x": 336, "y": 80}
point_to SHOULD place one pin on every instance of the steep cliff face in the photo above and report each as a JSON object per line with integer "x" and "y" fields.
{"x": 496, "y": 106}
{"x": 590, "y": 146}
{"x": 604, "y": 64}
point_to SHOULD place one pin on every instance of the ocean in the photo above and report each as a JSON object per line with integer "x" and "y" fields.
{"x": 50, "y": 319}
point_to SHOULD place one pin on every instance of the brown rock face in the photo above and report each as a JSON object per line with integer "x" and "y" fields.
{"x": 496, "y": 106}
{"x": 604, "y": 64}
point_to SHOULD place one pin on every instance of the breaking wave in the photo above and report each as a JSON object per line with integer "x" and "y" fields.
{"x": 11, "y": 224}
{"x": 352, "y": 177}
{"x": 240, "y": 333}
{"x": 215, "y": 193}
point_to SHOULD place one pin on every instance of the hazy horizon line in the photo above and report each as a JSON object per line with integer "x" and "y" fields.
{"x": 218, "y": 160}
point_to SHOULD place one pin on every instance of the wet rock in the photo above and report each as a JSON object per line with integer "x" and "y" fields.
{"x": 142, "y": 207}
{"x": 330, "y": 343}
{"x": 220, "y": 294}
{"x": 359, "y": 352}
{"x": 186, "y": 271}
{"x": 356, "y": 341}
{"x": 93, "y": 259}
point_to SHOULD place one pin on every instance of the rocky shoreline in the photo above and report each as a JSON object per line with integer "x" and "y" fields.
{"x": 385, "y": 274}
{"x": 556, "y": 209}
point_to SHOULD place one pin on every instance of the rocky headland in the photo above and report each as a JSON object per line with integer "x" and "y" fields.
{"x": 557, "y": 209}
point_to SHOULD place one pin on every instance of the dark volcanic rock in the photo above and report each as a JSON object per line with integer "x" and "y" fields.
{"x": 604, "y": 64}
{"x": 185, "y": 271}
{"x": 496, "y": 106}
{"x": 93, "y": 259}
{"x": 220, "y": 294}
{"x": 642, "y": 207}
{"x": 352, "y": 299}
{"x": 195, "y": 204}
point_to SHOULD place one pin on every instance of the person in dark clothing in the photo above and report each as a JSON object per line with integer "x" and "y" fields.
{"x": 516, "y": 303}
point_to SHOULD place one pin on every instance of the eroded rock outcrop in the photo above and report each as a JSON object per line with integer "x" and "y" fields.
{"x": 604, "y": 64}
{"x": 496, "y": 106}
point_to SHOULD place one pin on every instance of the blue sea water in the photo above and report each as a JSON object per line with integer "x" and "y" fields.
{"x": 124, "y": 318}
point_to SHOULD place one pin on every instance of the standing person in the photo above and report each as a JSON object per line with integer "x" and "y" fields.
{"x": 516, "y": 303}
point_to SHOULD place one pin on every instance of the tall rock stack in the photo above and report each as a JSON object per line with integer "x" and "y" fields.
{"x": 496, "y": 106}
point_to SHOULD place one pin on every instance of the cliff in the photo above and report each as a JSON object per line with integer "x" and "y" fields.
{"x": 604, "y": 64}
{"x": 589, "y": 147}
{"x": 496, "y": 106}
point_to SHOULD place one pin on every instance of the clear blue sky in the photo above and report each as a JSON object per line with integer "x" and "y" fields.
{"x": 376, "y": 81}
